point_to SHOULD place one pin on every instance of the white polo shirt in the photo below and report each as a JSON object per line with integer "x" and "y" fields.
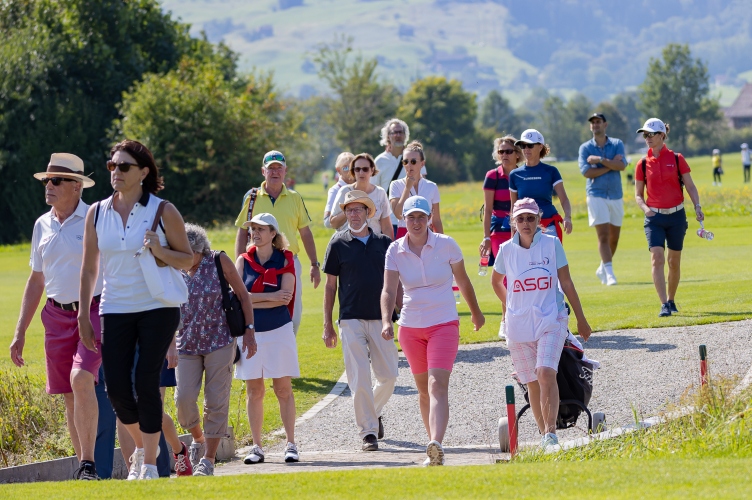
{"x": 57, "y": 252}
{"x": 387, "y": 164}
{"x": 427, "y": 189}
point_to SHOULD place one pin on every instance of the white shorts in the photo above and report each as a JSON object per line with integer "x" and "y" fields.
{"x": 527, "y": 357}
{"x": 276, "y": 357}
{"x": 603, "y": 211}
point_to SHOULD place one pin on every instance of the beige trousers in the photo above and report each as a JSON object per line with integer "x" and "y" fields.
{"x": 217, "y": 366}
{"x": 361, "y": 340}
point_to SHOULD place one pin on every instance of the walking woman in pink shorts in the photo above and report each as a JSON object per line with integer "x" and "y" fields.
{"x": 536, "y": 317}
{"x": 429, "y": 328}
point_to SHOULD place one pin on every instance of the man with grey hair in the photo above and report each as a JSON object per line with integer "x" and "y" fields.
{"x": 394, "y": 136}
{"x": 56, "y": 257}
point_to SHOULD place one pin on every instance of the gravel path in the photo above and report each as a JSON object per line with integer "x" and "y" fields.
{"x": 642, "y": 371}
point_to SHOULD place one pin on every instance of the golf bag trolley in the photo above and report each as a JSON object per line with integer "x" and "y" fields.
{"x": 575, "y": 381}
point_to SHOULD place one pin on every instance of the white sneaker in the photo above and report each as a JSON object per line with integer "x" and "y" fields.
{"x": 196, "y": 452}
{"x": 610, "y": 277}
{"x": 291, "y": 453}
{"x": 601, "y": 273}
{"x": 204, "y": 468}
{"x": 502, "y": 331}
{"x": 148, "y": 473}
{"x": 137, "y": 461}
{"x": 435, "y": 453}
{"x": 256, "y": 456}
{"x": 549, "y": 440}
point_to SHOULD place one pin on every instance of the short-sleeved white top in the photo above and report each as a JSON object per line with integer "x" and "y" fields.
{"x": 427, "y": 189}
{"x": 125, "y": 289}
{"x": 378, "y": 196}
{"x": 57, "y": 252}
{"x": 387, "y": 164}
{"x": 427, "y": 280}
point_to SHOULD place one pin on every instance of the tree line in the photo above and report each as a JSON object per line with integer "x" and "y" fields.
{"x": 78, "y": 75}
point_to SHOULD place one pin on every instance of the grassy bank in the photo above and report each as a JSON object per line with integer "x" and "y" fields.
{"x": 716, "y": 286}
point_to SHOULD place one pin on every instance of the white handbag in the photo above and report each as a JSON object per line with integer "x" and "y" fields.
{"x": 165, "y": 283}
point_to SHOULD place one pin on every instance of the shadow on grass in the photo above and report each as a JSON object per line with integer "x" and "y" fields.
{"x": 315, "y": 385}
{"x": 625, "y": 342}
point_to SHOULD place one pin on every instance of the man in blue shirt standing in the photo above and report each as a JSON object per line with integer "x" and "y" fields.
{"x": 601, "y": 160}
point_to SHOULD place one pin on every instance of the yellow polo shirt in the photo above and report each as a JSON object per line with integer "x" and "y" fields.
{"x": 289, "y": 210}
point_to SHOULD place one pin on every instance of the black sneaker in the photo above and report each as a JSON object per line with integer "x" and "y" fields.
{"x": 370, "y": 443}
{"x": 665, "y": 310}
{"x": 86, "y": 472}
{"x": 381, "y": 429}
{"x": 672, "y": 306}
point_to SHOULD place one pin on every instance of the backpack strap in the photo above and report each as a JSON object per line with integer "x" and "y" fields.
{"x": 398, "y": 170}
{"x": 222, "y": 281}
{"x": 643, "y": 166}
{"x": 681, "y": 181}
{"x": 253, "y": 193}
{"x": 96, "y": 214}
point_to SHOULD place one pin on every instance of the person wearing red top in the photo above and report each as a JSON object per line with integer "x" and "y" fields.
{"x": 664, "y": 172}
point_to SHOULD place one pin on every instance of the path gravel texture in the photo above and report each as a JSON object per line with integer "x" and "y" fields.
{"x": 642, "y": 371}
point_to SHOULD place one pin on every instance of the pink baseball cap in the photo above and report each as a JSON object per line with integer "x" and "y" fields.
{"x": 525, "y": 206}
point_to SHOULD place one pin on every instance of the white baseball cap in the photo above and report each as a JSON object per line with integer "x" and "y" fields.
{"x": 744, "y": 146}
{"x": 716, "y": 151}
{"x": 531, "y": 136}
{"x": 416, "y": 204}
{"x": 274, "y": 156}
{"x": 653, "y": 125}
{"x": 263, "y": 219}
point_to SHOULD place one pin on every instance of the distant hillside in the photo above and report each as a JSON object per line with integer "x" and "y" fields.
{"x": 598, "y": 47}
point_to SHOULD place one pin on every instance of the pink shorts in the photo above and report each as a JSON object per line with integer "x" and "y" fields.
{"x": 430, "y": 347}
{"x": 527, "y": 357}
{"x": 63, "y": 348}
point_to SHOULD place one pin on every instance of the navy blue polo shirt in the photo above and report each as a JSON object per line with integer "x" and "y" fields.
{"x": 360, "y": 268}
{"x": 267, "y": 319}
{"x": 537, "y": 183}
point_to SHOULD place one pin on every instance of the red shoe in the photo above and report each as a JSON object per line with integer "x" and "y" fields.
{"x": 183, "y": 465}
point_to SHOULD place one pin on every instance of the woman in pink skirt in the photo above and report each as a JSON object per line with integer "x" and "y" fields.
{"x": 429, "y": 332}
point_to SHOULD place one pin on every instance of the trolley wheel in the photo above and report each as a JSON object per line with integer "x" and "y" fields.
{"x": 504, "y": 434}
{"x": 599, "y": 422}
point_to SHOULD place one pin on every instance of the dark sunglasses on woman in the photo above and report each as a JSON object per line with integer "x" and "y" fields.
{"x": 56, "y": 180}
{"x": 361, "y": 169}
{"x": 526, "y": 145}
{"x": 506, "y": 151}
{"x": 648, "y": 135}
{"x": 124, "y": 166}
{"x": 409, "y": 162}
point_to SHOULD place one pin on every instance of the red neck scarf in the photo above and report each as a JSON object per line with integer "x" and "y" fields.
{"x": 269, "y": 276}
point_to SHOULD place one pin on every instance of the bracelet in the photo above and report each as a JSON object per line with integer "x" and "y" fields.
{"x": 487, "y": 238}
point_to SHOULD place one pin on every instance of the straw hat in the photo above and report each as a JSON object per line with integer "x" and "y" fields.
{"x": 66, "y": 165}
{"x": 356, "y": 196}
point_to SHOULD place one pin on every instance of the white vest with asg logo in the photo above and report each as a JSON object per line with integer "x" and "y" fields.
{"x": 532, "y": 282}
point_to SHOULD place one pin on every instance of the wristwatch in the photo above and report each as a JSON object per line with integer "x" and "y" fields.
{"x": 249, "y": 326}
{"x": 316, "y": 264}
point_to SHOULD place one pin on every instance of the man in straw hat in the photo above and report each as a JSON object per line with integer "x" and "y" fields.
{"x": 56, "y": 256}
{"x": 357, "y": 255}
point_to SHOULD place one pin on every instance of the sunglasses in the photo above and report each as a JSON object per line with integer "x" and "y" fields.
{"x": 648, "y": 135}
{"x": 409, "y": 162}
{"x": 56, "y": 180}
{"x": 275, "y": 157}
{"x": 124, "y": 166}
{"x": 522, "y": 218}
{"x": 361, "y": 169}
{"x": 397, "y": 132}
{"x": 526, "y": 145}
{"x": 506, "y": 151}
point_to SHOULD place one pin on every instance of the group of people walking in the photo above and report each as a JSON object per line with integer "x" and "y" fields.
{"x": 387, "y": 261}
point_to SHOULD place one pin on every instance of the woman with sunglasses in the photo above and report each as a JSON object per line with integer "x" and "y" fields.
{"x": 363, "y": 168}
{"x": 429, "y": 327}
{"x": 664, "y": 173}
{"x": 539, "y": 181}
{"x": 536, "y": 319}
{"x": 413, "y": 184}
{"x": 344, "y": 177}
{"x": 116, "y": 229}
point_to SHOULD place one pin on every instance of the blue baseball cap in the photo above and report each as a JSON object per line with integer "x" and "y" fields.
{"x": 416, "y": 204}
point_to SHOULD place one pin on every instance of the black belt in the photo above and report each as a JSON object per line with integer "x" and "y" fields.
{"x": 73, "y": 306}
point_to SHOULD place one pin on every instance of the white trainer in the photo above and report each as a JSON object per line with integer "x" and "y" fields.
{"x": 291, "y": 453}
{"x": 549, "y": 440}
{"x": 435, "y": 453}
{"x": 502, "y": 331}
{"x": 601, "y": 273}
{"x": 610, "y": 277}
{"x": 148, "y": 472}
{"x": 256, "y": 456}
{"x": 137, "y": 461}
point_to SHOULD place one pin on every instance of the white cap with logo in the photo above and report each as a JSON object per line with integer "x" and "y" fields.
{"x": 653, "y": 125}
{"x": 531, "y": 136}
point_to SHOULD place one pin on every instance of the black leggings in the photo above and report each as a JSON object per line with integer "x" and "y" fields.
{"x": 152, "y": 331}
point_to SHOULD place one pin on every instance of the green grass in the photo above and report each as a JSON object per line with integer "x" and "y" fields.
{"x": 678, "y": 478}
{"x": 716, "y": 284}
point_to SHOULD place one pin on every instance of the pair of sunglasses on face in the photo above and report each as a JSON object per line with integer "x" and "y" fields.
{"x": 123, "y": 166}
{"x": 506, "y": 151}
{"x": 56, "y": 181}
{"x": 649, "y": 135}
{"x": 526, "y": 145}
{"x": 409, "y": 162}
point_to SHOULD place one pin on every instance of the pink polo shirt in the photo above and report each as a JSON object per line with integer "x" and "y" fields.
{"x": 427, "y": 280}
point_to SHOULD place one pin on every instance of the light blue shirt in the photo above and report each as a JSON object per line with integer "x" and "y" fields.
{"x": 607, "y": 185}
{"x": 561, "y": 260}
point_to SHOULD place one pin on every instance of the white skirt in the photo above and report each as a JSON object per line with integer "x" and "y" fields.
{"x": 276, "y": 357}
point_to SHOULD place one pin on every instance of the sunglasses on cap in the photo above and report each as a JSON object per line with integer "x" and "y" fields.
{"x": 412, "y": 161}
{"x": 56, "y": 180}
{"x": 506, "y": 151}
{"x": 648, "y": 135}
{"x": 124, "y": 166}
{"x": 273, "y": 158}
{"x": 527, "y": 145}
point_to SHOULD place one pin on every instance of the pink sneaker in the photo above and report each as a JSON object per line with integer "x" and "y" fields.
{"x": 183, "y": 465}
